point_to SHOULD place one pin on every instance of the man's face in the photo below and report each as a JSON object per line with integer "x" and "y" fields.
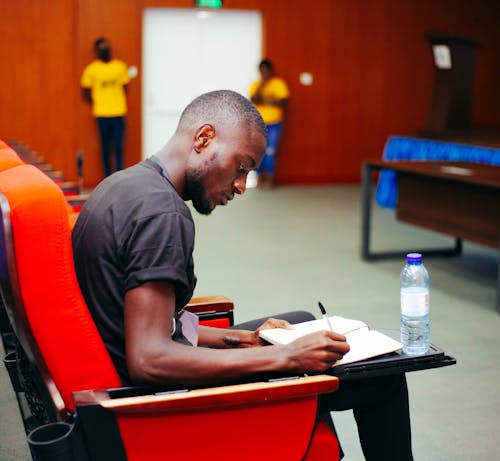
{"x": 222, "y": 167}
{"x": 103, "y": 51}
{"x": 265, "y": 72}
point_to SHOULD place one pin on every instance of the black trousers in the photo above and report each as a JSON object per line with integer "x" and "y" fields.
{"x": 380, "y": 406}
{"x": 111, "y": 134}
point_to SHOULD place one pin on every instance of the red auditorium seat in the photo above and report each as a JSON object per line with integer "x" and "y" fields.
{"x": 79, "y": 411}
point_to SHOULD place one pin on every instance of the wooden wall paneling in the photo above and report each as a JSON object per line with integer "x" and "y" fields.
{"x": 121, "y": 23}
{"x": 58, "y": 86}
{"x": 298, "y": 41}
{"x": 486, "y": 103}
{"x": 310, "y": 145}
{"x": 36, "y": 53}
{"x": 349, "y": 64}
{"x": 169, "y": 3}
{"x": 372, "y": 68}
{"x": 408, "y": 70}
{"x": 300, "y": 35}
{"x": 387, "y": 66}
{"x": 476, "y": 21}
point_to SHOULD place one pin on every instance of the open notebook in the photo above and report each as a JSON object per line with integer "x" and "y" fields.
{"x": 364, "y": 343}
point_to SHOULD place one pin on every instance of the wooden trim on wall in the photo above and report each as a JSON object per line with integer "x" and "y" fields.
{"x": 372, "y": 70}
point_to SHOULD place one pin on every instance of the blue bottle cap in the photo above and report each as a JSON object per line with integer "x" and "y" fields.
{"x": 414, "y": 258}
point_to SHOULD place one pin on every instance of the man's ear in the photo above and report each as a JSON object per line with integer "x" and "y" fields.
{"x": 203, "y": 136}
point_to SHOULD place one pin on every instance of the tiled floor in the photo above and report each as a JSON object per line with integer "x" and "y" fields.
{"x": 290, "y": 247}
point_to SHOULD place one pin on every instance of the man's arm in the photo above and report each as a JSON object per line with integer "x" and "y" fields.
{"x": 257, "y": 96}
{"x": 87, "y": 95}
{"x": 277, "y": 102}
{"x": 221, "y": 338}
{"x": 154, "y": 358}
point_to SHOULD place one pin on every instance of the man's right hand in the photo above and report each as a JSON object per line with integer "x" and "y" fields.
{"x": 316, "y": 351}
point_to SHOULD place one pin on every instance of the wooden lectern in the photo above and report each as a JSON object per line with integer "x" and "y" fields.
{"x": 451, "y": 106}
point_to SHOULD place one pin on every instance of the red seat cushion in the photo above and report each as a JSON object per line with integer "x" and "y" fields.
{"x": 224, "y": 322}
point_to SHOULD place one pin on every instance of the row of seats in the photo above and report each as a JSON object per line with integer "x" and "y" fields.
{"x": 69, "y": 394}
{"x": 13, "y": 153}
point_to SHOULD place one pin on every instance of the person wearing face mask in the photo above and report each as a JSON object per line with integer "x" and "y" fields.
{"x": 104, "y": 85}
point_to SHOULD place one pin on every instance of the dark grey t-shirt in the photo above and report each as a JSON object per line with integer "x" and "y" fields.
{"x": 134, "y": 228}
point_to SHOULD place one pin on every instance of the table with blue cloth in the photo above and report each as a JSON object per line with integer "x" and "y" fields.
{"x": 400, "y": 148}
{"x": 450, "y": 188}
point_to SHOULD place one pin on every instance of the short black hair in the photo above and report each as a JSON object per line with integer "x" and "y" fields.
{"x": 222, "y": 106}
{"x": 99, "y": 42}
{"x": 266, "y": 63}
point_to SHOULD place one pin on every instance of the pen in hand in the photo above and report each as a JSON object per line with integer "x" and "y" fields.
{"x": 325, "y": 316}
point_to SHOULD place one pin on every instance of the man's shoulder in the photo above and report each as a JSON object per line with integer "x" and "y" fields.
{"x": 143, "y": 176}
{"x": 92, "y": 65}
{"x": 116, "y": 66}
{"x": 279, "y": 81}
{"x": 144, "y": 184}
{"x": 118, "y": 62}
{"x": 278, "y": 87}
{"x": 97, "y": 65}
{"x": 254, "y": 84}
{"x": 131, "y": 196}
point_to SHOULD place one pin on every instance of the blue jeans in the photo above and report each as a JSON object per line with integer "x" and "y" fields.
{"x": 111, "y": 131}
{"x": 268, "y": 164}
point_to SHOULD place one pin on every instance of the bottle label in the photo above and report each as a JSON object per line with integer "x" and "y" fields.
{"x": 414, "y": 301}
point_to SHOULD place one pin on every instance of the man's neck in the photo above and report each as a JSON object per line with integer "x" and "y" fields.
{"x": 174, "y": 156}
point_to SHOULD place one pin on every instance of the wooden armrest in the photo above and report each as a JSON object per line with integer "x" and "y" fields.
{"x": 76, "y": 199}
{"x": 44, "y": 166}
{"x": 277, "y": 419}
{"x": 68, "y": 186}
{"x": 32, "y": 158}
{"x": 214, "y": 396}
{"x": 210, "y": 303}
{"x": 55, "y": 174}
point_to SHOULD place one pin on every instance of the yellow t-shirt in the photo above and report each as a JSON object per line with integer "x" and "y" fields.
{"x": 106, "y": 80}
{"x": 275, "y": 88}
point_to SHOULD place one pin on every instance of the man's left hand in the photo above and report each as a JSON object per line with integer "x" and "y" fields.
{"x": 243, "y": 338}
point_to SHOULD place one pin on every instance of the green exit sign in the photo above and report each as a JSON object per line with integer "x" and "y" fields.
{"x": 209, "y": 3}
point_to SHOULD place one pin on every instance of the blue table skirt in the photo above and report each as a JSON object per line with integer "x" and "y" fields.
{"x": 398, "y": 148}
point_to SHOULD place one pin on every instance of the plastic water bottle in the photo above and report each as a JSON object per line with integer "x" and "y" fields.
{"x": 415, "y": 324}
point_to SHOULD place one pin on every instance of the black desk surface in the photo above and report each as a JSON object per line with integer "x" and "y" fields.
{"x": 394, "y": 363}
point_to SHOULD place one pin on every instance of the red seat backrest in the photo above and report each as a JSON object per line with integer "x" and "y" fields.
{"x": 57, "y": 318}
{"x": 9, "y": 158}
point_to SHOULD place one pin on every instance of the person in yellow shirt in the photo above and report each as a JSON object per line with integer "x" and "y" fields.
{"x": 270, "y": 96}
{"x": 104, "y": 85}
